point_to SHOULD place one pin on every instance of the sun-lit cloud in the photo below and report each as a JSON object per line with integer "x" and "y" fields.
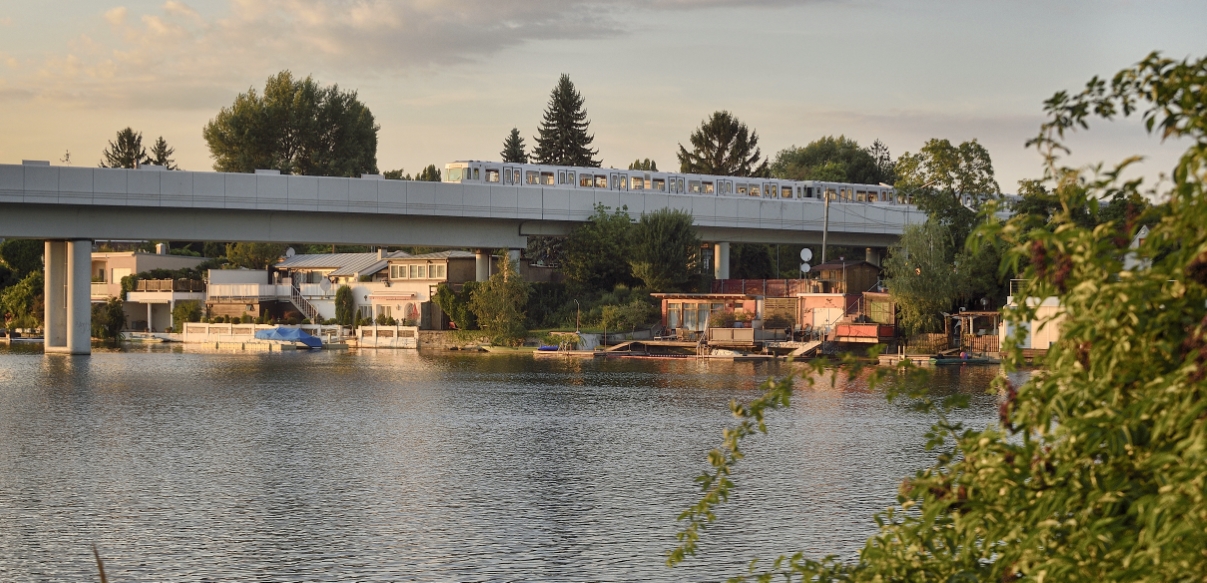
{"x": 116, "y": 16}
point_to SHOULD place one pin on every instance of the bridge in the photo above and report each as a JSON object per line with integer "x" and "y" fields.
{"x": 70, "y": 207}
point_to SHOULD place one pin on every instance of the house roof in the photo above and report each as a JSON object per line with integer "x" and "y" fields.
{"x": 343, "y": 264}
{"x": 690, "y": 296}
{"x": 439, "y": 255}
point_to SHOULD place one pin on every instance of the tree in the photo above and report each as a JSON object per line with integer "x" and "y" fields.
{"x": 161, "y": 155}
{"x": 921, "y": 278}
{"x": 22, "y": 256}
{"x": 513, "y": 148}
{"x": 563, "y": 139}
{"x": 455, "y": 304}
{"x": 949, "y": 183}
{"x": 1095, "y": 471}
{"x": 666, "y": 251}
{"x": 108, "y": 320}
{"x": 597, "y": 251}
{"x": 647, "y": 165}
{"x": 185, "y": 312}
{"x": 22, "y": 304}
{"x": 835, "y": 160}
{"x": 429, "y": 174}
{"x": 750, "y": 261}
{"x": 345, "y": 306}
{"x": 297, "y": 127}
{"x": 498, "y": 304}
{"x": 254, "y": 255}
{"x": 723, "y": 146}
{"x": 395, "y": 175}
{"x": 126, "y": 151}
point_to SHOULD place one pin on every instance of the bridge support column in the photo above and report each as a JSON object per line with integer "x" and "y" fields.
{"x": 873, "y": 256}
{"x": 68, "y": 293}
{"x": 720, "y": 261}
{"x": 482, "y": 263}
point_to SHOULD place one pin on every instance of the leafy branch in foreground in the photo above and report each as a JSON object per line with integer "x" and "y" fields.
{"x": 1097, "y": 470}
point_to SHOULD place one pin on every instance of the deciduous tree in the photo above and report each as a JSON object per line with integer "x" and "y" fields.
{"x": 297, "y": 127}
{"x": 835, "y": 159}
{"x": 563, "y": 139}
{"x": 498, "y": 304}
{"x": 597, "y": 251}
{"x": 22, "y": 256}
{"x": 921, "y": 277}
{"x": 724, "y": 146}
{"x": 254, "y": 255}
{"x": 666, "y": 251}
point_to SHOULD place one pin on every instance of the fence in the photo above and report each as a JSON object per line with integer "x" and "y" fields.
{"x": 781, "y": 288}
{"x": 249, "y": 290}
{"x": 387, "y": 337}
{"x": 180, "y": 285}
{"x": 200, "y": 332}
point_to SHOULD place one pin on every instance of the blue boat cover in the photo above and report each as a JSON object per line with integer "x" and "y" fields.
{"x": 289, "y": 335}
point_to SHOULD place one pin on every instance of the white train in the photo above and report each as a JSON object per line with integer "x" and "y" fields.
{"x": 510, "y": 174}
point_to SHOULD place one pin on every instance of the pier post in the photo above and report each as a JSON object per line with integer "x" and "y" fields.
{"x": 54, "y": 289}
{"x": 68, "y": 297}
{"x": 872, "y": 256}
{"x": 482, "y": 264}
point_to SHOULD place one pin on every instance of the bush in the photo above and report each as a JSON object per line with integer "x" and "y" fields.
{"x": 456, "y": 304}
{"x": 108, "y": 320}
{"x": 184, "y": 312}
{"x": 630, "y": 316}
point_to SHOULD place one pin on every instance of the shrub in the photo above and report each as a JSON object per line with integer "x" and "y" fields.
{"x": 108, "y": 320}
{"x": 184, "y": 312}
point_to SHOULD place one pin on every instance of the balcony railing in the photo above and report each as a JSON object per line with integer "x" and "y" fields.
{"x": 248, "y": 290}
{"x": 170, "y": 285}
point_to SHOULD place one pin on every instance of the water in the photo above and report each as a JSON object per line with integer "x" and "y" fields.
{"x": 397, "y": 466}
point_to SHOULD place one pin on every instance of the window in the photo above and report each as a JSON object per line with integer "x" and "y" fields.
{"x": 741, "y": 189}
{"x": 754, "y": 190}
{"x": 689, "y": 316}
{"x": 477, "y": 176}
{"x": 601, "y": 181}
{"x": 492, "y": 174}
{"x": 584, "y": 180}
{"x": 624, "y": 182}
{"x": 708, "y": 189}
{"x": 417, "y": 271}
{"x": 531, "y": 177}
{"x": 561, "y": 176}
{"x": 679, "y": 186}
{"x": 570, "y": 178}
{"x": 547, "y": 178}
{"x": 515, "y": 176}
{"x": 638, "y": 184}
{"x": 436, "y": 271}
{"x": 693, "y": 186}
{"x": 454, "y": 175}
{"x": 785, "y": 192}
{"x": 398, "y": 272}
{"x": 808, "y": 192}
{"x": 674, "y": 315}
{"x": 659, "y": 185}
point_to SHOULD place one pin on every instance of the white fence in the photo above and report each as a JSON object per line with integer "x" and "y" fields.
{"x": 387, "y": 337}
{"x": 198, "y": 332}
{"x": 247, "y": 290}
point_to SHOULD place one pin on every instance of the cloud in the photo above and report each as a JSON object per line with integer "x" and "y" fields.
{"x": 178, "y": 47}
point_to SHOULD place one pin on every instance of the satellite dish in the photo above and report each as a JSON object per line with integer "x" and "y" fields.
{"x": 805, "y": 267}
{"x": 806, "y": 254}
{"x": 290, "y": 252}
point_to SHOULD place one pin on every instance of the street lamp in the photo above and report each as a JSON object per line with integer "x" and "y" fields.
{"x": 578, "y": 317}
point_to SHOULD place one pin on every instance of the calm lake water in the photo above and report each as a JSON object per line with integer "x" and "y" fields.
{"x": 397, "y": 466}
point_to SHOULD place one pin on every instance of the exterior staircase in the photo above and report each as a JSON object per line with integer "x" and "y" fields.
{"x": 307, "y": 309}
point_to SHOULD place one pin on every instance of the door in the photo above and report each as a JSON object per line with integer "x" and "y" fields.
{"x": 826, "y": 317}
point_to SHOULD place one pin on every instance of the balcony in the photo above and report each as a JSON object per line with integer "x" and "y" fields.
{"x": 248, "y": 291}
{"x": 169, "y": 285}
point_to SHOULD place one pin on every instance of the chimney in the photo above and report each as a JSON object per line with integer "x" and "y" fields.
{"x": 381, "y": 253}
{"x": 161, "y": 248}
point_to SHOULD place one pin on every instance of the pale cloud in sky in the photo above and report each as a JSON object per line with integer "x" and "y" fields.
{"x": 447, "y": 79}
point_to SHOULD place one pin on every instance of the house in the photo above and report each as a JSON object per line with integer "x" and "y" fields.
{"x": 847, "y": 277}
{"x": 411, "y": 282}
{"x": 1041, "y": 331}
{"x": 149, "y": 306}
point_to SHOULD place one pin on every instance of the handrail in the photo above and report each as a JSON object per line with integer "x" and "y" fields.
{"x": 307, "y": 308}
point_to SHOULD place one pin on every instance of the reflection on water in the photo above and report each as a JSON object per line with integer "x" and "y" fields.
{"x": 392, "y": 465}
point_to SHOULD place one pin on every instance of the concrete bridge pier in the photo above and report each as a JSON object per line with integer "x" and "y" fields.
{"x": 68, "y": 296}
{"x": 720, "y": 261}
{"x": 482, "y": 264}
{"x": 873, "y": 255}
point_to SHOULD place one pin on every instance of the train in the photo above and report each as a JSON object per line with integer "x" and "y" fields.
{"x": 573, "y": 177}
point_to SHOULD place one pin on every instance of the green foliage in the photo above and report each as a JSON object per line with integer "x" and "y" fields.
{"x": 547, "y": 251}
{"x": 21, "y": 304}
{"x": 213, "y": 249}
{"x": 666, "y": 251}
{"x": 185, "y": 312}
{"x": 551, "y": 305}
{"x": 563, "y": 139}
{"x": 161, "y": 155}
{"x": 22, "y": 256}
{"x": 513, "y": 148}
{"x": 724, "y": 146}
{"x": 395, "y": 175}
{"x": 499, "y": 304}
{"x": 429, "y": 174}
{"x": 297, "y": 127}
{"x": 647, "y": 165}
{"x": 185, "y": 251}
{"x": 636, "y": 314}
{"x": 750, "y": 261}
{"x": 254, "y": 255}
{"x": 949, "y": 183}
{"x": 126, "y": 151}
{"x": 921, "y": 278}
{"x": 456, "y": 304}
{"x": 1096, "y": 471}
{"x": 597, "y": 251}
{"x": 837, "y": 160}
{"x": 345, "y": 306}
{"x": 108, "y": 320}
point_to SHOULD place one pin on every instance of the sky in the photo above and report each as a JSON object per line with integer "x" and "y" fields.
{"x": 447, "y": 80}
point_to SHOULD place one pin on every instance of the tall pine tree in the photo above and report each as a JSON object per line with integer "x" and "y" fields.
{"x": 723, "y": 146}
{"x": 563, "y": 139}
{"x": 126, "y": 151}
{"x": 513, "y": 148}
{"x": 161, "y": 155}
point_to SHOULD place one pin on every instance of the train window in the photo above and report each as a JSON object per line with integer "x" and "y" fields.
{"x": 624, "y": 182}
{"x": 547, "y": 178}
{"x": 601, "y": 181}
{"x": 754, "y": 190}
{"x": 532, "y": 177}
{"x": 561, "y": 176}
{"x": 679, "y": 185}
{"x": 830, "y": 194}
{"x": 477, "y": 175}
{"x": 708, "y": 188}
{"x": 741, "y": 189}
{"x": 638, "y": 183}
{"x": 570, "y": 178}
{"x": 659, "y": 185}
{"x": 454, "y": 175}
{"x": 786, "y": 192}
{"x": 584, "y": 180}
{"x": 693, "y": 186}
{"x": 516, "y": 176}
{"x": 861, "y": 196}
{"x": 808, "y": 192}
{"x": 492, "y": 175}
